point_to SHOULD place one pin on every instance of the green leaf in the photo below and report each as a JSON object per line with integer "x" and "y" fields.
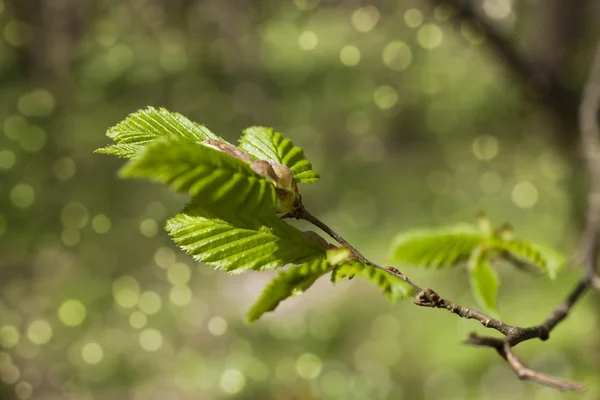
{"x": 338, "y": 255}
{"x": 393, "y": 287}
{"x": 484, "y": 281}
{"x": 445, "y": 247}
{"x": 288, "y": 283}
{"x": 238, "y": 245}
{"x": 145, "y": 126}
{"x": 213, "y": 178}
{"x": 528, "y": 254}
{"x": 265, "y": 144}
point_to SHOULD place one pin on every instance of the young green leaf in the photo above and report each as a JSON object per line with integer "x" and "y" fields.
{"x": 144, "y": 126}
{"x": 484, "y": 281}
{"x": 265, "y": 144}
{"x": 213, "y": 178}
{"x": 445, "y": 247}
{"x": 240, "y": 244}
{"x": 542, "y": 258}
{"x": 338, "y": 255}
{"x": 291, "y": 282}
{"x": 393, "y": 287}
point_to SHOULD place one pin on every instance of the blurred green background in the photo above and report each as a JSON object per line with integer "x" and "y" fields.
{"x": 405, "y": 109}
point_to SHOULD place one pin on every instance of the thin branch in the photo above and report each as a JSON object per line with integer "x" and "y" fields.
{"x": 513, "y": 335}
{"x": 302, "y": 213}
{"x": 504, "y": 349}
{"x": 525, "y": 373}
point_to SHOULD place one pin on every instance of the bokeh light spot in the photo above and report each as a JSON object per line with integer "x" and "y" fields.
{"x": 258, "y": 371}
{"x": 443, "y": 12}
{"x": 101, "y": 224}
{"x": 126, "y": 291}
{"x": 497, "y": 9}
{"x": 149, "y": 227}
{"x": 397, "y": 55}
{"x": 350, "y": 56}
{"x": 9, "y": 336}
{"x": 92, "y": 353}
{"x": 165, "y": 257}
{"x": 485, "y": 147}
{"x": 23, "y": 390}
{"x": 217, "y": 326}
{"x": 232, "y": 381}
{"x": 180, "y": 295}
{"x": 430, "y": 36}
{"x": 70, "y": 237}
{"x": 150, "y": 303}
{"x": 9, "y": 373}
{"x": 173, "y": 58}
{"x": 179, "y": 274}
{"x": 37, "y": 103}
{"x": 309, "y": 366}
{"x": 17, "y": 33}
{"x": 334, "y": 384}
{"x": 7, "y": 159}
{"x": 14, "y": 126}
{"x": 308, "y": 40}
{"x": 364, "y": 19}
{"x": 64, "y": 168}
{"x": 39, "y": 332}
{"x": 413, "y": 18}
{"x": 385, "y": 97}
{"x": 525, "y": 194}
{"x": 22, "y": 195}
{"x": 72, "y": 312}
{"x": 151, "y": 340}
{"x": 156, "y": 210}
{"x": 74, "y": 215}
{"x": 32, "y": 139}
{"x": 138, "y": 319}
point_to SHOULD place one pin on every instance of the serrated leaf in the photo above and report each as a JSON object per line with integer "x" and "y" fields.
{"x": 543, "y": 258}
{"x": 214, "y": 179}
{"x": 445, "y": 247}
{"x": 265, "y": 144}
{"x": 291, "y": 282}
{"x": 393, "y": 287}
{"x": 121, "y": 150}
{"x": 238, "y": 245}
{"x": 145, "y": 126}
{"x": 484, "y": 281}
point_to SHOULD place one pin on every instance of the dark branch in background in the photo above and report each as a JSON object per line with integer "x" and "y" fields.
{"x": 513, "y": 335}
{"x": 544, "y": 85}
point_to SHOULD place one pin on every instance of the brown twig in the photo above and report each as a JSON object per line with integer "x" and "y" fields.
{"x": 513, "y": 335}
{"x": 505, "y": 350}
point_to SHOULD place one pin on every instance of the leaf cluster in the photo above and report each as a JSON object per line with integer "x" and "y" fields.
{"x": 236, "y": 192}
{"x": 477, "y": 248}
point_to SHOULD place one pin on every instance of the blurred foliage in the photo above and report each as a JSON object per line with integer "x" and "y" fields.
{"x": 411, "y": 122}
